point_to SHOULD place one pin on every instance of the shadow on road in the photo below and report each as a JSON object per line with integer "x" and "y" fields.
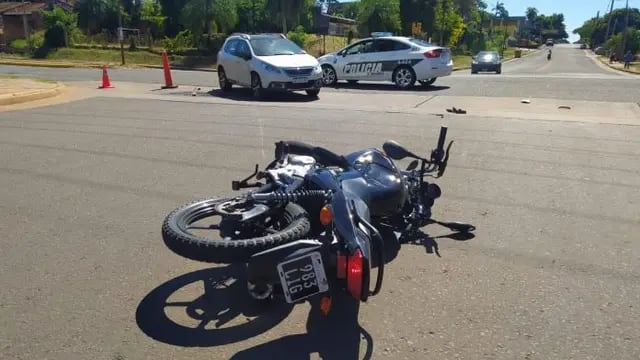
{"x": 225, "y": 300}
{"x": 336, "y": 336}
{"x": 243, "y": 94}
{"x": 431, "y": 245}
{"x": 387, "y": 87}
{"x": 218, "y": 314}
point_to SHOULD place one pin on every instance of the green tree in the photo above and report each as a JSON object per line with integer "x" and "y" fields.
{"x": 172, "y": 9}
{"x": 252, "y": 16}
{"x": 290, "y": 11}
{"x": 151, "y": 16}
{"x": 422, "y": 11}
{"x": 500, "y": 11}
{"x": 95, "y": 15}
{"x": 379, "y": 15}
{"x": 196, "y": 16}
{"x": 225, "y": 15}
{"x": 61, "y": 25}
{"x": 449, "y": 24}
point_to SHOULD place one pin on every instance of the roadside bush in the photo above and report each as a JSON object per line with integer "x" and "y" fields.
{"x": 299, "y": 36}
{"x": 182, "y": 41}
{"x": 19, "y": 44}
{"x": 37, "y": 39}
{"x": 61, "y": 27}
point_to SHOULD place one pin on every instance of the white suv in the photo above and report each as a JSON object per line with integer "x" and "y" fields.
{"x": 267, "y": 62}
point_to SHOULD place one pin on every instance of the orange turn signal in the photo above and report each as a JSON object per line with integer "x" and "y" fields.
{"x": 326, "y": 216}
{"x": 325, "y": 305}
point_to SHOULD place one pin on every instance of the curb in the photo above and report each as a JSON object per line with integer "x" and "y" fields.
{"x": 178, "y": 67}
{"x": 600, "y": 61}
{"x": 28, "y": 96}
{"x": 617, "y": 69}
{"x": 37, "y": 64}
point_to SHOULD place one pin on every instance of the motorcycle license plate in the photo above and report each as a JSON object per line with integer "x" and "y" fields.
{"x": 302, "y": 277}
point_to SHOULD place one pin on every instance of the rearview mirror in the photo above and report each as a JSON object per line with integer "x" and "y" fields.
{"x": 395, "y": 150}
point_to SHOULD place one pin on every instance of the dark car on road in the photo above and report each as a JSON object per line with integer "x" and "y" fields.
{"x": 486, "y": 61}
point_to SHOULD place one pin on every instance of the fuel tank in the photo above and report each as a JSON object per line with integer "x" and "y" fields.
{"x": 376, "y": 180}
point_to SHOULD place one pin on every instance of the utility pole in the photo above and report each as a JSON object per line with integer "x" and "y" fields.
{"x": 592, "y": 46}
{"x": 25, "y": 24}
{"x": 121, "y": 33}
{"x": 626, "y": 30}
{"x": 606, "y": 36}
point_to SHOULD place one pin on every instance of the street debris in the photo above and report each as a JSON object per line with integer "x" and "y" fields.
{"x": 457, "y": 111}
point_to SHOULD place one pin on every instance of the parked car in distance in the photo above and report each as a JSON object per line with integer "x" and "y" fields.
{"x": 383, "y": 57}
{"x": 583, "y": 46}
{"x": 267, "y": 62}
{"x": 486, "y": 61}
{"x": 550, "y": 42}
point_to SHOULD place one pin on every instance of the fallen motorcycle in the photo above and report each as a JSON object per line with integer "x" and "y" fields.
{"x": 318, "y": 221}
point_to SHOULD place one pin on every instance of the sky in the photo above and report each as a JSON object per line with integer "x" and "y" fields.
{"x": 576, "y": 12}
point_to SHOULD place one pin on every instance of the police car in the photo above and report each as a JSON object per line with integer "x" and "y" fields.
{"x": 383, "y": 57}
{"x": 267, "y": 62}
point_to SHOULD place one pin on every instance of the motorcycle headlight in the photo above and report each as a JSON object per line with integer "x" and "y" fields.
{"x": 270, "y": 68}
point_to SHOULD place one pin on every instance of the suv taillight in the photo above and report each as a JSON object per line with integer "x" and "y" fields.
{"x": 432, "y": 54}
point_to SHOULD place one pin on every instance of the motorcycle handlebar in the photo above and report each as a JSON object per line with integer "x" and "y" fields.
{"x": 442, "y": 138}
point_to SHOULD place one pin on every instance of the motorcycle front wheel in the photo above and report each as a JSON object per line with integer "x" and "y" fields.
{"x": 239, "y": 238}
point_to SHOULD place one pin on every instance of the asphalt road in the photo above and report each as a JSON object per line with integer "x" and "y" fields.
{"x": 552, "y": 272}
{"x": 571, "y": 74}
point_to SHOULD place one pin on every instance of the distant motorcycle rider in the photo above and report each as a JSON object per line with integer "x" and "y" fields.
{"x": 549, "y": 55}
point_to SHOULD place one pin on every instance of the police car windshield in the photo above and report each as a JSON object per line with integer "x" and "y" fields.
{"x": 274, "y": 46}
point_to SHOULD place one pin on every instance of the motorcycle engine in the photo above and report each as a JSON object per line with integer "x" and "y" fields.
{"x": 294, "y": 167}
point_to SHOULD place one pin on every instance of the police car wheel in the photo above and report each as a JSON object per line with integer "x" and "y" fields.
{"x": 329, "y": 75}
{"x": 256, "y": 86}
{"x": 404, "y": 77}
{"x": 427, "y": 82}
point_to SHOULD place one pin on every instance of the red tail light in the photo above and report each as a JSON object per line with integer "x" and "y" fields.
{"x": 354, "y": 274}
{"x": 432, "y": 54}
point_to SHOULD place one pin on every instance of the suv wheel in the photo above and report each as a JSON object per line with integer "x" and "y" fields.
{"x": 224, "y": 83}
{"x": 256, "y": 86}
{"x": 313, "y": 92}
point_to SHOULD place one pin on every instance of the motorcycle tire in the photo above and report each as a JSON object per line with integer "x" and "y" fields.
{"x": 295, "y": 226}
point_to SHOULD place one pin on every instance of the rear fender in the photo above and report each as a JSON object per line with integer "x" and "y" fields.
{"x": 347, "y": 208}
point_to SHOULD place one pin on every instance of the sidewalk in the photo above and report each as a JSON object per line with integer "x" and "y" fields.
{"x": 635, "y": 66}
{"x": 18, "y": 90}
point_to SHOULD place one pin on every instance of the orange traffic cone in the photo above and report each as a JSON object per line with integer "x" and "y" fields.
{"x": 168, "y": 82}
{"x": 106, "y": 84}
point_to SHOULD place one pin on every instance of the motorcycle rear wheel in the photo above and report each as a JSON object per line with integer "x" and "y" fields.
{"x": 288, "y": 224}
